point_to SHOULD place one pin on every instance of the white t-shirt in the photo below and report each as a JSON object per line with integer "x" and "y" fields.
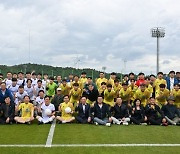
{"x": 8, "y": 83}
{"x": 44, "y": 107}
{"x": 30, "y": 91}
{"x": 34, "y": 82}
{"x": 37, "y": 89}
{"x": 14, "y": 89}
{"x": 20, "y": 97}
{"x": 39, "y": 100}
{"x": 20, "y": 82}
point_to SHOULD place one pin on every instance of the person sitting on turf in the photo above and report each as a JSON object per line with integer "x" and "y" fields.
{"x": 120, "y": 113}
{"x": 7, "y": 109}
{"x": 83, "y": 110}
{"x": 101, "y": 113}
{"x": 27, "y": 111}
{"x": 138, "y": 114}
{"x": 154, "y": 114}
{"x": 171, "y": 112}
{"x": 48, "y": 112}
{"x": 66, "y": 109}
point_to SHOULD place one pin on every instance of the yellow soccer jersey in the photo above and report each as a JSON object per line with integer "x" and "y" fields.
{"x": 26, "y": 109}
{"x": 83, "y": 80}
{"x": 133, "y": 91}
{"x": 109, "y": 97}
{"x": 111, "y": 81}
{"x": 176, "y": 95}
{"x": 99, "y": 81}
{"x": 158, "y": 82}
{"x": 100, "y": 90}
{"x": 63, "y": 106}
{"x": 125, "y": 95}
{"x": 117, "y": 89}
{"x": 81, "y": 85}
{"x": 161, "y": 96}
{"x": 150, "y": 88}
{"x": 65, "y": 89}
{"x": 75, "y": 95}
{"x": 143, "y": 96}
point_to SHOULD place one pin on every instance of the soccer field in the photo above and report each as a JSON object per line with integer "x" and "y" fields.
{"x": 77, "y": 138}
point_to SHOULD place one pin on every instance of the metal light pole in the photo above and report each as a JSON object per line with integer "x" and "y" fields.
{"x": 158, "y": 32}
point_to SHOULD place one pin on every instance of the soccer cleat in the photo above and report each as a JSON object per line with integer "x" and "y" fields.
{"x": 39, "y": 123}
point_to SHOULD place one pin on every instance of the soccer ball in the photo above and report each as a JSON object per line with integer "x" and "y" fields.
{"x": 48, "y": 112}
{"x": 68, "y": 110}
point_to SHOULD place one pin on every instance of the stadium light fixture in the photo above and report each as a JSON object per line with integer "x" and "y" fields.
{"x": 158, "y": 32}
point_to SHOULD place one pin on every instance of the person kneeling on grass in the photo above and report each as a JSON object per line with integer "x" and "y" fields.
{"x": 48, "y": 112}
{"x": 27, "y": 111}
{"x": 154, "y": 114}
{"x": 171, "y": 112}
{"x": 66, "y": 109}
{"x": 101, "y": 113}
{"x": 120, "y": 113}
{"x": 138, "y": 114}
{"x": 83, "y": 110}
{"x": 7, "y": 109}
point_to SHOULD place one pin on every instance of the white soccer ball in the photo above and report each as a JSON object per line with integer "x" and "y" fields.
{"x": 68, "y": 110}
{"x": 48, "y": 112}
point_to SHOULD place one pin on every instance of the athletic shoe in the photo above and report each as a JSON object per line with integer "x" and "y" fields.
{"x": 39, "y": 123}
{"x": 145, "y": 124}
{"x": 96, "y": 123}
{"x": 63, "y": 122}
{"x": 108, "y": 124}
{"x": 125, "y": 123}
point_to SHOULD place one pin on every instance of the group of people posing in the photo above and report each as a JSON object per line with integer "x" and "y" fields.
{"x": 139, "y": 100}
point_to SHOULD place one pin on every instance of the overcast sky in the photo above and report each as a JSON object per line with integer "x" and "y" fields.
{"x": 90, "y": 33}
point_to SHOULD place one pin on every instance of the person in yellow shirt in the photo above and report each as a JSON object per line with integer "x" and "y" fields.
{"x": 83, "y": 78}
{"x": 65, "y": 88}
{"x": 176, "y": 93}
{"x": 75, "y": 94}
{"x": 162, "y": 95}
{"x": 66, "y": 108}
{"x": 159, "y": 80}
{"x": 109, "y": 95}
{"x": 112, "y": 78}
{"x": 143, "y": 94}
{"x": 125, "y": 94}
{"x": 102, "y": 88}
{"x": 27, "y": 111}
{"x": 76, "y": 80}
{"x": 117, "y": 87}
{"x": 133, "y": 88}
{"x": 101, "y": 79}
{"x": 148, "y": 85}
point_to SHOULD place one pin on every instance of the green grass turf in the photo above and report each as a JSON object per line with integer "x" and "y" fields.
{"x": 24, "y": 134}
{"x": 91, "y": 134}
{"x": 92, "y": 150}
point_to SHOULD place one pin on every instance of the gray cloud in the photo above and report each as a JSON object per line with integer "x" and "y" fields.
{"x": 101, "y": 33}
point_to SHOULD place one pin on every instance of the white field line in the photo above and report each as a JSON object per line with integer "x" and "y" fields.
{"x": 90, "y": 145}
{"x": 50, "y": 135}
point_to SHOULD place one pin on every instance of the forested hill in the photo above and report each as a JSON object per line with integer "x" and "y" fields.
{"x": 52, "y": 71}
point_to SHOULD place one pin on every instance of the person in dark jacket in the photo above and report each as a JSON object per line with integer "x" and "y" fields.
{"x": 120, "y": 113}
{"x": 4, "y": 92}
{"x": 83, "y": 109}
{"x": 57, "y": 99}
{"x": 138, "y": 114}
{"x": 101, "y": 113}
{"x": 171, "y": 112}
{"x": 91, "y": 93}
{"x": 7, "y": 111}
{"x": 154, "y": 114}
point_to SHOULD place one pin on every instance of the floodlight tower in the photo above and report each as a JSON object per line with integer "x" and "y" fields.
{"x": 158, "y": 32}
